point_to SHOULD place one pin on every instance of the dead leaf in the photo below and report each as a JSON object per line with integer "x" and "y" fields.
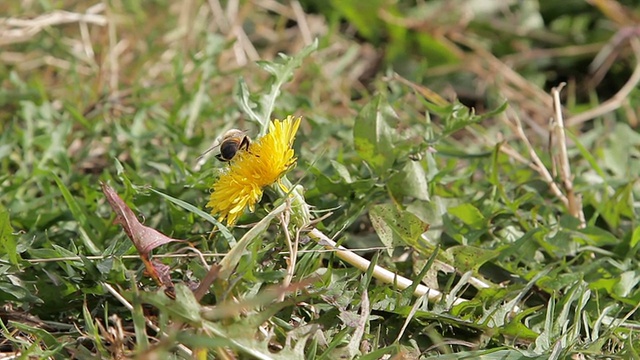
{"x": 143, "y": 237}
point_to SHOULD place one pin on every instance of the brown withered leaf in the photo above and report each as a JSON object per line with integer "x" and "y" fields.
{"x": 143, "y": 237}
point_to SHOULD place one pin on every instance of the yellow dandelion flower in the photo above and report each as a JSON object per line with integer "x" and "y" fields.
{"x": 268, "y": 158}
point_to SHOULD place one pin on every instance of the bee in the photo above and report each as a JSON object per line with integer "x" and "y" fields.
{"x": 230, "y": 143}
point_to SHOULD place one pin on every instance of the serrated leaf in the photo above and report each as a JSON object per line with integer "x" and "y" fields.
{"x": 458, "y": 116}
{"x": 259, "y": 110}
{"x": 144, "y": 238}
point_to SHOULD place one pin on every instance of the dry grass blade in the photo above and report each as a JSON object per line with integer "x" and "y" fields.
{"x": 427, "y": 93}
{"x": 203, "y": 288}
{"x": 574, "y": 201}
{"x": 412, "y": 312}
{"x": 537, "y": 165}
{"x": 14, "y": 30}
{"x": 363, "y": 320}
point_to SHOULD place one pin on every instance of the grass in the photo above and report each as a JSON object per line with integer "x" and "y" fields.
{"x": 434, "y": 210}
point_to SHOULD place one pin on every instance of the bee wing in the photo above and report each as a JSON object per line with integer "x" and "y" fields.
{"x": 215, "y": 144}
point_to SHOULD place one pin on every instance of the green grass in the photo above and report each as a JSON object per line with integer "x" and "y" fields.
{"x": 415, "y": 152}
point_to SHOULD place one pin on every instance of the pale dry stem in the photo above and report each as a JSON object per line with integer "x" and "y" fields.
{"x": 538, "y": 165}
{"x": 303, "y": 25}
{"x": 113, "y": 55}
{"x": 229, "y": 21}
{"x": 571, "y": 201}
{"x": 574, "y": 201}
{"x": 620, "y": 98}
{"x": 17, "y": 30}
{"x": 379, "y": 272}
{"x": 285, "y": 217}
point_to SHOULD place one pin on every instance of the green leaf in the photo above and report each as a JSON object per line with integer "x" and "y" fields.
{"x": 18, "y": 291}
{"x": 372, "y": 134}
{"x": 435, "y": 51}
{"x": 185, "y": 205}
{"x": 618, "y": 155}
{"x": 467, "y": 258}
{"x": 516, "y": 329}
{"x": 185, "y": 307}
{"x": 41, "y": 335}
{"x": 493, "y": 354}
{"x": 597, "y": 236}
{"x": 231, "y": 260}
{"x": 469, "y": 215}
{"x": 397, "y": 227}
{"x": 635, "y": 238}
{"x": 411, "y": 181}
{"x": 80, "y": 213}
{"x": 363, "y": 15}
{"x": 626, "y": 283}
{"x": 8, "y": 241}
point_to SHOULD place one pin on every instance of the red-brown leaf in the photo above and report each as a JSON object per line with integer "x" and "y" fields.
{"x": 143, "y": 237}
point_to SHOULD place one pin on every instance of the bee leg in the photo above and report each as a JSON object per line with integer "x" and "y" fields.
{"x": 245, "y": 144}
{"x": 219, "y": 157}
